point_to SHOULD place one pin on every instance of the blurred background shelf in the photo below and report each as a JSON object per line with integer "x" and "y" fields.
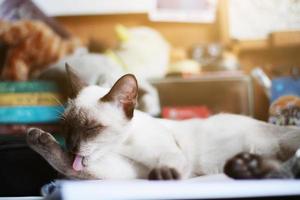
{"x": 283, "y": 39}
{"x": 219, "y": 93}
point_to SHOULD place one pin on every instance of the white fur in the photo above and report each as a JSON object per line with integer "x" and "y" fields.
{"x": 131, "y": 148}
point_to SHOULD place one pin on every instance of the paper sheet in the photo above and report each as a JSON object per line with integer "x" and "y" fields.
{"x": 216, "y": 186}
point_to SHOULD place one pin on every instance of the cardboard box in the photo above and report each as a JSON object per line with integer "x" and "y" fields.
{"x": 218, "y": 92}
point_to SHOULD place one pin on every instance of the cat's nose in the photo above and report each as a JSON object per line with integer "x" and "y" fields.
{"x": 73, "y": 148}
{"x": 72, "y": 143}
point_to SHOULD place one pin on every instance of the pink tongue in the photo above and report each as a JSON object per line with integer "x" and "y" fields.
{"x": 77, "y": 164}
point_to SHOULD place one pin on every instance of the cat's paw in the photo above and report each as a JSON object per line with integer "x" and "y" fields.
{"x": 39, "y": 139}
{"x": 247, "y": 166}
{"x": 164, "y": 173}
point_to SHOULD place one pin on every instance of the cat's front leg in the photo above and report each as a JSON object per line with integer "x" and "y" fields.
{"x": 46, "y": 145}
{"x": 171, "y": 166}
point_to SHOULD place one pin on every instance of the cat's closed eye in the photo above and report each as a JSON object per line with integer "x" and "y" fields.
{"x": 93, "y": 128}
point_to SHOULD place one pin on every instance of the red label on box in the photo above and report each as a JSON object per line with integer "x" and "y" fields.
{"x": 185, "y": 112}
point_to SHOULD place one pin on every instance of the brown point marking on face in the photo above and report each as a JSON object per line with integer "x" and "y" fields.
{"x": 124, "y": 92}
{"x": 75, "y": 83}
{"x": 78, "y": 127}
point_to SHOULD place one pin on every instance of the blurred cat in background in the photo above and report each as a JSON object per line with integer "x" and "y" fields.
{"x": 141, "y": 51}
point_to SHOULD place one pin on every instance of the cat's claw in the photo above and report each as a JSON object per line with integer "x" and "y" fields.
{"x": 164, "y": 173}
{"x": 246, "y": 166}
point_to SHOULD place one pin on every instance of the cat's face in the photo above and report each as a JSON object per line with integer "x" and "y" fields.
{"x": 96, "y": 119}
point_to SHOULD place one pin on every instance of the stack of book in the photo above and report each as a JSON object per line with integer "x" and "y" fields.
{"x": 29, "y": 104}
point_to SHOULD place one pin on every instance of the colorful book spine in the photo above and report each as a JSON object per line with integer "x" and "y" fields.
{"x": 30, "y": 114}
{"x": 28, "y": 86}
{"x": 30, "y": 99}
{"x": 30, "y": 102}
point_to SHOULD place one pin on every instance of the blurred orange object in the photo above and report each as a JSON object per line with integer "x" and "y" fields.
{"x": 185, "y": 112}
{"x": 285, "y": 111}
{"x": 32, "y": 46}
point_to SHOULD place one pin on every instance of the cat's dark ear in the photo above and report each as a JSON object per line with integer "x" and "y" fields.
{"x": 75, "y": 83}
{"x": 124, "y": 92}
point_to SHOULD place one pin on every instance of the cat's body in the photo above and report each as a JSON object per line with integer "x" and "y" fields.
{"x": 193, "y": 147}
{"x": 109, "y": 140}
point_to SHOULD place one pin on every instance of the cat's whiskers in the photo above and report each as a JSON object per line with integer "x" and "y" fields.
{"x": 62, "y": 117}
{"x": 57, "y": 100}
{"x": 59, "y": 112}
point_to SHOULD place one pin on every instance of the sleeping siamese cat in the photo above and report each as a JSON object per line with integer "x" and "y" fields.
{"x": 106, "y": 138}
